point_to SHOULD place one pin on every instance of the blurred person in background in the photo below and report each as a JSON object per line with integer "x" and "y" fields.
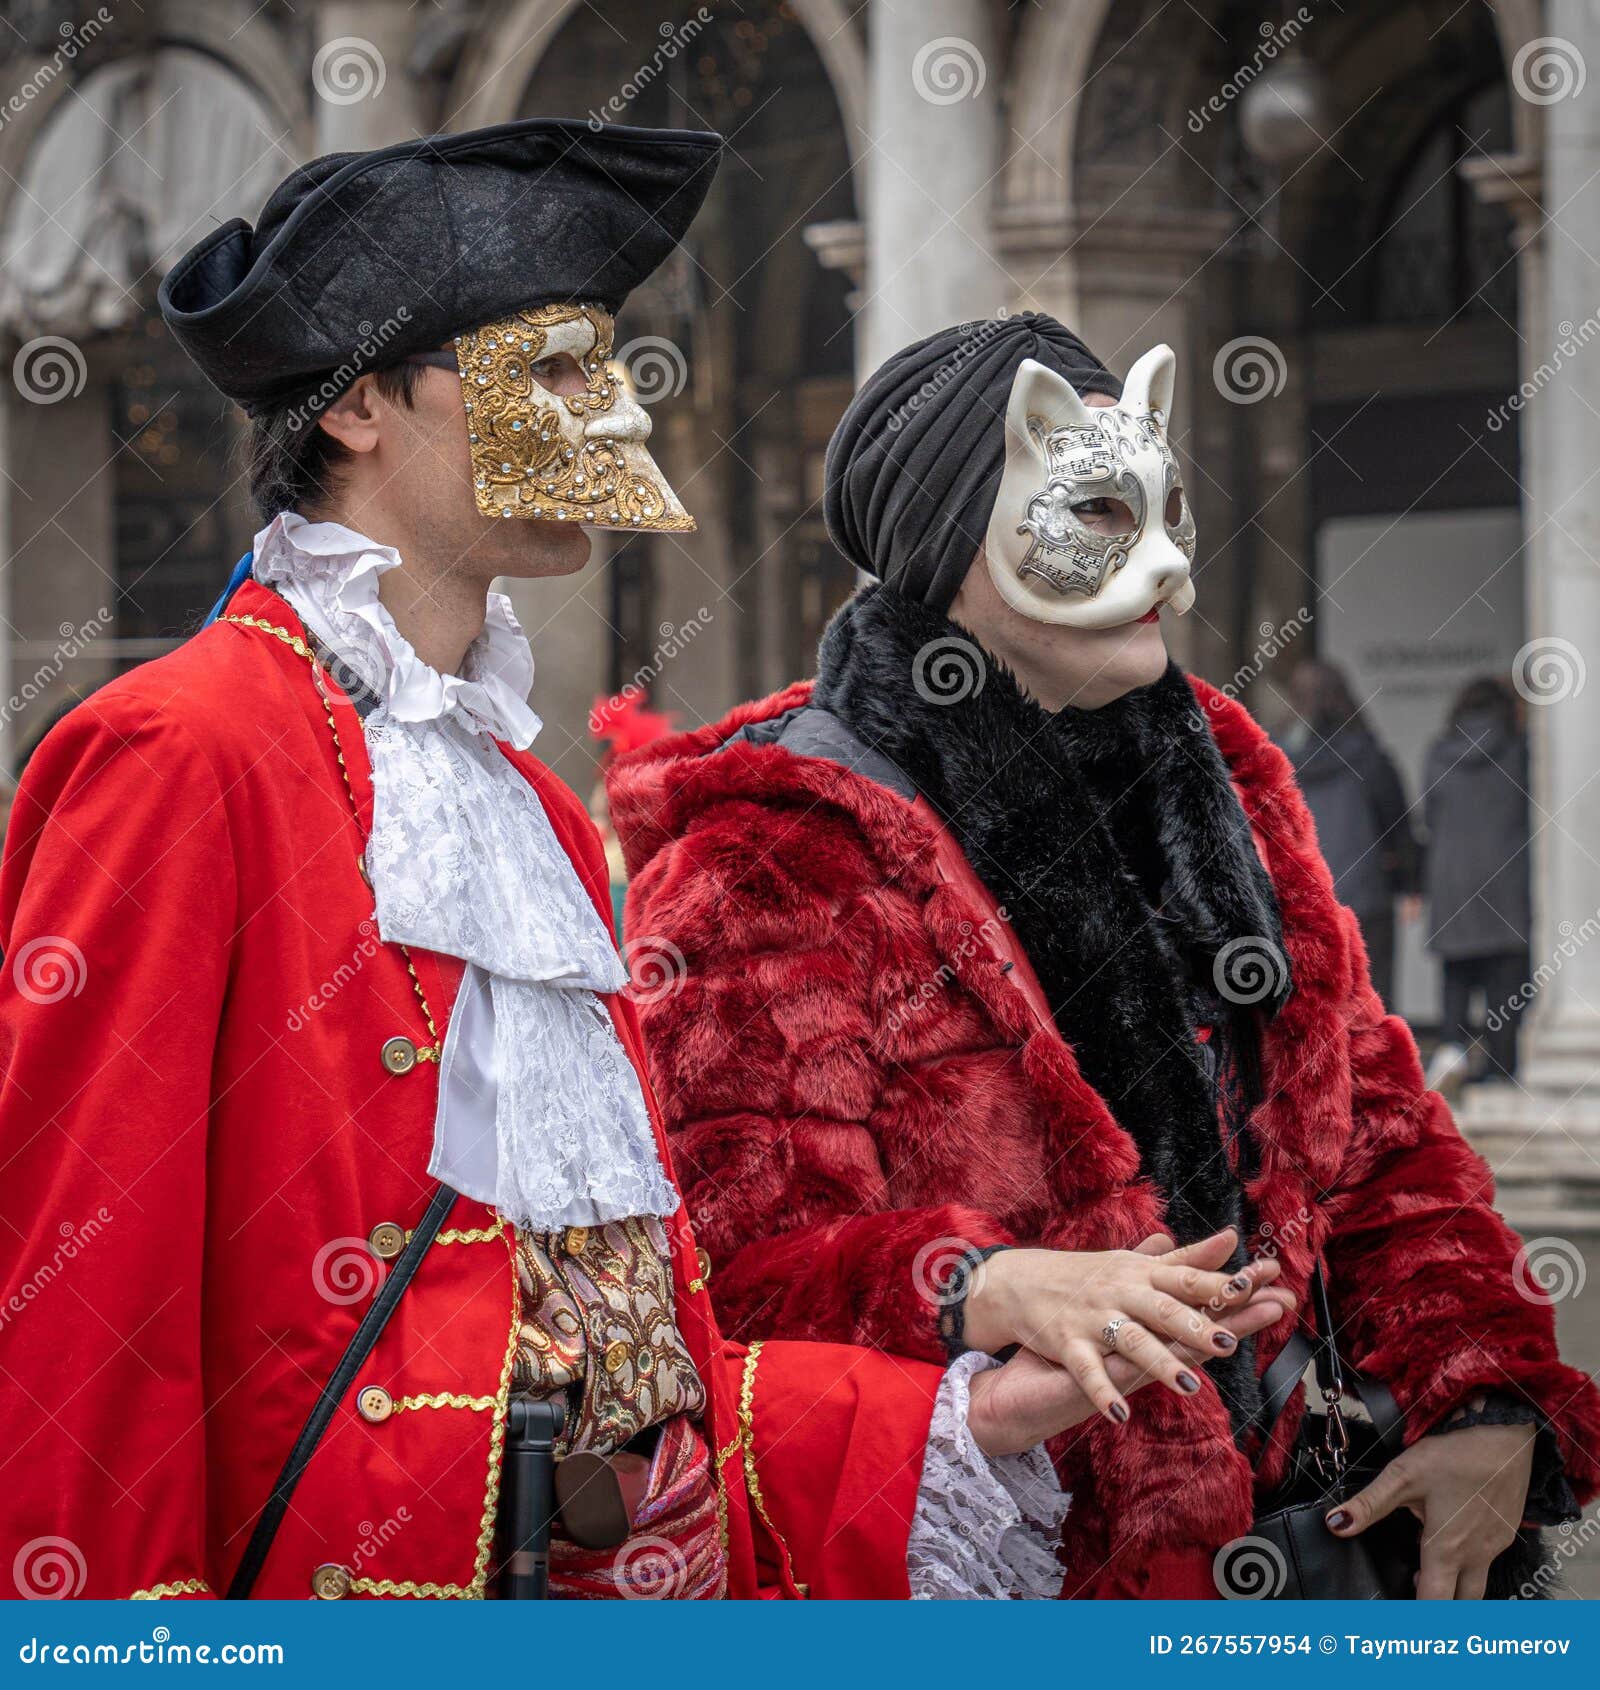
{"x": 1475, "y": 805}
{"x": 1358, "y": 802}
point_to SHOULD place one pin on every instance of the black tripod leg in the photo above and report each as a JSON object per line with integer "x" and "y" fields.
{"x": 528, "y": 1492}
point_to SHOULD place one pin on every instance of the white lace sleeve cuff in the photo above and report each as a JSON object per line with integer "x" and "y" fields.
{"x": 984, "y": 1526}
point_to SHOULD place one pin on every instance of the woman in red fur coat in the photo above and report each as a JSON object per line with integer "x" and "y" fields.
{"x": 1007, "y": 938}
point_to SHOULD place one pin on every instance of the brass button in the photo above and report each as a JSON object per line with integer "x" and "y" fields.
{"x": 703, "y": 1262}
{"x": 616, "y": 1355}
{"x": 330, "y": 1581}
{"x": 386, "y": 1240}
{"x": 574, "y": 1239}
{"x": 361, "y": 864}
{"x": 398, "y": 1055}
{"x": 374, "y": 1404}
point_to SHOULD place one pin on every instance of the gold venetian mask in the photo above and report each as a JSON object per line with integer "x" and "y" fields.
{"x": 569, "y": 457}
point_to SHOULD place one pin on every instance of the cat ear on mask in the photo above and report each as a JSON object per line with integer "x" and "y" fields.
{"x": 1149, "y": 384}
{"x": 1045, "y": 400}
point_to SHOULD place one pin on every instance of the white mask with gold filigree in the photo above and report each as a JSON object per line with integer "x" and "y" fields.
{"x": 568, "y": 457}
{"x": 1091, "y": 526}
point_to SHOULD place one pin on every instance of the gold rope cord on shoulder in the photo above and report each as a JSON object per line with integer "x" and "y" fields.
{"x": 431, "y": 1051}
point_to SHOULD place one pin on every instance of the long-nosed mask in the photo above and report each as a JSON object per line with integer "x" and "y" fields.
{"x": 1067, "y": 461}
{"x": 568, "y": 457}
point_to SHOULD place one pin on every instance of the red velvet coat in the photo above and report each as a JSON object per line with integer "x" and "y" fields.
{"x": 197, "y": 1138}
{"x": 854, "y": 1078}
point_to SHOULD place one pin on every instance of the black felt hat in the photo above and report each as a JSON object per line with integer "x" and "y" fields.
{"x": 360, "y": 259}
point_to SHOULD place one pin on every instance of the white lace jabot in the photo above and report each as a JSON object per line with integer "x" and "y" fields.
{"x": 540, "y": 1111}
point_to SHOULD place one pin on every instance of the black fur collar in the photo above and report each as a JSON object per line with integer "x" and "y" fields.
{"x": 1116, "y": 843}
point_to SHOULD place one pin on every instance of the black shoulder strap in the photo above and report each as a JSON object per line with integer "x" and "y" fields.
{"x": 350, "y": 1363}
{"x": 1288, "y": 1368}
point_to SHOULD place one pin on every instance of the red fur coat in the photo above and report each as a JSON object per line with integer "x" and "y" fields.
{"x": 853, "y": 1081}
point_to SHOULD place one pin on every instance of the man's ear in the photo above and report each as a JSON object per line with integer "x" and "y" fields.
{"x": 352, "y": 418}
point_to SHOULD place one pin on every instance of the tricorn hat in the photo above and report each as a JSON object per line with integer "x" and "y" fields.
{"x": 360, "y": 259}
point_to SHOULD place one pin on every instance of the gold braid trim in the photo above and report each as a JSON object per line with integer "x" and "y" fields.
{"x": 428, "y": 1052}
{"x": 497, "y": 1440}
{"x": 184, "y": 1587}
{"x": 747, "y": 1441}
{"x": 471, "y": 1234}
{"x": 443, "y": 1399}
{"x": 405, "y": 1587}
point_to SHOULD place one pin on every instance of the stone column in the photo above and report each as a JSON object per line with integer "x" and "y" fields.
{"x": 935, "y": 76}
{"x": 1543, "y": 1134}
{"x": 363, "y": 94}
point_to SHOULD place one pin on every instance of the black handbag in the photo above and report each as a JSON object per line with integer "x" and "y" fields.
{"x": 1290, "y": 1554}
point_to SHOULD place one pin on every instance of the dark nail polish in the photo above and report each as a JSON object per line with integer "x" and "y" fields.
{"x": 1226, "y": 1342}
{"x": 1119, "y": 1412}
{"x": 1239, "y": 1282}
{"x": 1188, "y": 1383}
{"x": 1338, "y": 1520}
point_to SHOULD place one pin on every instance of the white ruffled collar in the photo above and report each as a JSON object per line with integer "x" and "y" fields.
{"x": 330, "y": 573}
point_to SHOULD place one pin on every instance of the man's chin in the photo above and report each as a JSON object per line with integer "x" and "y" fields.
{"x": 541, "y": 548}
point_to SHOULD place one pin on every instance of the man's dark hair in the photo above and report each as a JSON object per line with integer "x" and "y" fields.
{"x": 293, "y": 462}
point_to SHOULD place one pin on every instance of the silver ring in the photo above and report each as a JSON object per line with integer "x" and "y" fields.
{"x": 1108, "y": 1333}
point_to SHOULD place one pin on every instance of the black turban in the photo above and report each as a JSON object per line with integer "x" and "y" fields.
{"x": 915, "y": 463}
{"x": 360, "y": 259}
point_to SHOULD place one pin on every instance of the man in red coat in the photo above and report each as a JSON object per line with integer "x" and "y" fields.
{"x": 1008, "y": 934}
{"x": 325, "y": 1135}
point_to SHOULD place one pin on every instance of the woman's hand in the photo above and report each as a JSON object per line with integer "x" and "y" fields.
{"x": 1468, "y": 1488}
{"x": 1019, "y": 1405}
{"x": 1058, "y": 1303}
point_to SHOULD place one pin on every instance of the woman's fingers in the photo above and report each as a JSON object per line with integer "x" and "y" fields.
{"x": 1087, "y": 1365}
{"x": 1471, "y": 1583}
{"x": 1157, "y": 1244}
{"x": 1177, "y": 1323}
{"x": 1200, "y": 1289}
{"x": 1210, "y": 1252}
{"x": 1138, "y": 1344}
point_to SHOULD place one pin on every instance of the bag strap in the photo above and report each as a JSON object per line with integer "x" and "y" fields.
{"x": 1288, "y": 1368}
{"x": 332, "y": 1393}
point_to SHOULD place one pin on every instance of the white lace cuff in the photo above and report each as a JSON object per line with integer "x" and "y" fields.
{"x": 984, "y": 1526}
